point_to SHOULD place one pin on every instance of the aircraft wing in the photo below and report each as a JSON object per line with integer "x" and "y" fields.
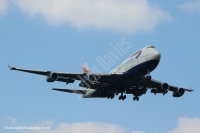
{"x": 154, "y": 84}
{"x": 70, "y": 91}
{"x": 69, "y": 77}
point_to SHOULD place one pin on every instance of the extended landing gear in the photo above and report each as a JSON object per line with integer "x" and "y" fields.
{"x": 137, "y": 93}
{"x": 122, "y": 97}
{"x": 110, "y": 96}
{"x": 148, "y": 77}
{"x": 135, "y": 98}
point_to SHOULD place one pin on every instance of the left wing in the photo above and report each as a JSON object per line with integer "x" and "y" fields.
{"x": 69, "y": 77}
{"x": 160, "y": 87}
{"x": 59, "y": 76}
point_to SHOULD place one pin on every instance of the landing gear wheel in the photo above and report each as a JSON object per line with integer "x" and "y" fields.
{"x": 124, "y": 96}
{"x": 135, "y": 98}
{"x": 112, "y": 96}
{"x": 148, "y": 77}
{"x": 120, "y": 97}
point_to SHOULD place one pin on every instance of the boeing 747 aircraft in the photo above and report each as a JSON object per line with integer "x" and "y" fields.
{"x": 130, "y": 77}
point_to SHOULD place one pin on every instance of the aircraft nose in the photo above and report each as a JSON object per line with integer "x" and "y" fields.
{"x": 157, "y": 55}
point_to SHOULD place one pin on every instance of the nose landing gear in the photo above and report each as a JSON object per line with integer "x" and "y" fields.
{"x": 148, "y": 77}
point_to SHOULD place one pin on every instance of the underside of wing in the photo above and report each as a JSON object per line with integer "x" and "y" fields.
{"x": 136, "y": 90}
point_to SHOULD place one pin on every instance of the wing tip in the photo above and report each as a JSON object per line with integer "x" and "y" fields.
{"x": 10, "y": 67}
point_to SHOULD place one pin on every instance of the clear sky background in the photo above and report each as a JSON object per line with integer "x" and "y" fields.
{"x": 60, "y": 35}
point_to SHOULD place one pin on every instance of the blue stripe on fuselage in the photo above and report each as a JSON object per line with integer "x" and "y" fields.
{"x": 138, "y": 55}
{"x": 139, "y": 70}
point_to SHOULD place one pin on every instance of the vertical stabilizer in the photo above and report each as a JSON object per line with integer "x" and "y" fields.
{"x": 85, "y": 68}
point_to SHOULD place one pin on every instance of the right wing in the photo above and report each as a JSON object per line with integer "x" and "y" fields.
{"x": 157, "y": 87}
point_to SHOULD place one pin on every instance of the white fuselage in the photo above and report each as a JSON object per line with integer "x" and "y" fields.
{"x": 144, "y": 55}
{"x": 135, "y": 65}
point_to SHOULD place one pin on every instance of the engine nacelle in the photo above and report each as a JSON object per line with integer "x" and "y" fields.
{"x": 154, "y": 91}
{"x": 165, "y": 87}
{"x": 180, "y": 92}
{"x": 52, "y": 77}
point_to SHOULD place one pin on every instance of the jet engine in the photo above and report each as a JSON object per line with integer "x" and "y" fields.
{"x": 180, "y": 92}
{"x": 51, "y": 77}
{"x": 165, "y": 87}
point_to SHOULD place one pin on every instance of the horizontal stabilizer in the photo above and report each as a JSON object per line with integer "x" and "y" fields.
{"x": 70, "y": 90}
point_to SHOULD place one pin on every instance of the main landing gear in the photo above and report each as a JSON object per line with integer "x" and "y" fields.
{"x": 122, "y": 97}
{"x": 148, "y": 77}
{"x": 110, "y": 96}
{"x": 135, "y": 98}
{"x": 137, "y": 93}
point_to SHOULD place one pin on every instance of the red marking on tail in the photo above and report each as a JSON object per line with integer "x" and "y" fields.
{"x": 85, "y": 70}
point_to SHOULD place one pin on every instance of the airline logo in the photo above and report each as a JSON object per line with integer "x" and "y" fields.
{"x": 137, "y": 54}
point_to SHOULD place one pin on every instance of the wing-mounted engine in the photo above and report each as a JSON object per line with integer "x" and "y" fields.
{"x": 163, "y": 88}
{"x": 52, "y": 76}
{"x": 180, "y": 92}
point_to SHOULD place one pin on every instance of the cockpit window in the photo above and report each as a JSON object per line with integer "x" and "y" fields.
{"x": 150, "y": 47}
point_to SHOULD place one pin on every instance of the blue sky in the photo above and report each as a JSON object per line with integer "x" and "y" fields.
{"x": 62, "y": 35}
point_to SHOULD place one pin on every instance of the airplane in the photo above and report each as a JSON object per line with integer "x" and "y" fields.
{"x": 131, "y": 77}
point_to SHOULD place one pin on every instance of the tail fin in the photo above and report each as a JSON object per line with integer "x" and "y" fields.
{"x": 85, "y": 68}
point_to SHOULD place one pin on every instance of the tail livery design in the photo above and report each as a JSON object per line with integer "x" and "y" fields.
{"x": 85, "y": 68}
